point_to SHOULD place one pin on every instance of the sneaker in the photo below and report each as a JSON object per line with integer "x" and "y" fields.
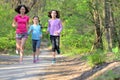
{"x": 21, "y": 62}
{"x": 37, "y": 60}
{"x": 58, "y": 51}
{"x": 17, "y": 52}
{"x": 34, "y": 61}
{"x": 53, "y": 61}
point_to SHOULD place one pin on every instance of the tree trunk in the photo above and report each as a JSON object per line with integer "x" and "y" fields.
{"x": 107, "y": 24}
{"x": 98, "y": 44}
{"x": 115, "y": 37}
{"x": 111, "y": 32}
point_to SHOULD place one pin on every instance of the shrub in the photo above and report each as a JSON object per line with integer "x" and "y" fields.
{"x": 116, "y": 53}
{"x": 96, "y": 58}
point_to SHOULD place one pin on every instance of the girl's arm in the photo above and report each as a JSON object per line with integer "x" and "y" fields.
{"x": 40, "y": 32}
{"x": 48, "y": 29}
{"x": 29, "y": 30}
{"x": 60, "y": 25}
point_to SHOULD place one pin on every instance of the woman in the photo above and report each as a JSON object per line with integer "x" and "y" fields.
{"x": 20, "y": 22}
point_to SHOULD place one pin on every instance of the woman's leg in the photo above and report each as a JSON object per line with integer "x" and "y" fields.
{"x": 23, "y": 40}
{"x": 18, "y": 42}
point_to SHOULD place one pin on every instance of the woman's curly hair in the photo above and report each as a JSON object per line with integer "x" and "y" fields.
{"x": 17, "y": 9}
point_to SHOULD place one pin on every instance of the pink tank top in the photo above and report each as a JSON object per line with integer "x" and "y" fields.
{"x": 21, "y": 23}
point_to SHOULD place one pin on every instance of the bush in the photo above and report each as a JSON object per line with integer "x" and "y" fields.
{"x": 116, "y": 53}
{"x": 5, "y": 43}
{"x": 96, "y": 58}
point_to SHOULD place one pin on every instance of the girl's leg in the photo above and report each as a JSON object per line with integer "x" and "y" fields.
{"x": 34, "y": 59}
{"x": 54, "y": 57}
{"x": 23, "y": 40}
{"x": 54, "y": 54}
{"x": 54, "y": 49}
{"x": 34, "y": 50}
{"x": 57, "y": 44}
{"x": 38, "y": 49}
{"x": 37, "y": 53}
{"x": 52, "y": 38}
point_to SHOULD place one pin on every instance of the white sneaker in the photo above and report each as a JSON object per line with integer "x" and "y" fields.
{"x": 17, "y": 52}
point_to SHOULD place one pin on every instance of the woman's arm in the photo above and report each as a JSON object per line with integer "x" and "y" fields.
{"x": 14, "y": 24}
{"x": 28, "y": 25}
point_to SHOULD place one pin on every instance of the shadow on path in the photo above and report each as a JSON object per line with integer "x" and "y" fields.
{"x": 26, "y": 71}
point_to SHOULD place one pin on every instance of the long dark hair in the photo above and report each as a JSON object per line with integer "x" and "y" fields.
{"x": 57, "y": 12}
{"x": 17, "y": 9}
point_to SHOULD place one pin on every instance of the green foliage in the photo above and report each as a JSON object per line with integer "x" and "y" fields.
{"x": 117, "y": 56}
{"x": 96, "y": 58}
{"x": 116, "y": 53}
{"x": 6, "y": 43}
{"x": 7, "y": 39}
{"x": 115, "y": 50}
{"x": 77, "y": 43}
{"x": 76, "y": 37}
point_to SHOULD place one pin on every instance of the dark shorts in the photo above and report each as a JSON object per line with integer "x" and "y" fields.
{"x": 22, "y": 35}
{"x": 35, "y": 44}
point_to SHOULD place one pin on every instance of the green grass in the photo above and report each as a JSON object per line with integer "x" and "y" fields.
{"x": 116, "y": 53}
{"x": 109, "y": 75}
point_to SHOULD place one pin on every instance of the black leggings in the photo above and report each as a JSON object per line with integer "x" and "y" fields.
{"x": 55, "y": 40}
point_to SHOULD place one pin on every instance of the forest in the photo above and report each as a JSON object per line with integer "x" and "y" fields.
{"x": 90, "y": 27}
{"x": 88, "y": 24}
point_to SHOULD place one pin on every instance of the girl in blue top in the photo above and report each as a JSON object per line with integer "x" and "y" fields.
{"x": 35, "y": 29}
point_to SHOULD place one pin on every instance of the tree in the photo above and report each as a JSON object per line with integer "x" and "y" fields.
{"x": 96, "y": 19}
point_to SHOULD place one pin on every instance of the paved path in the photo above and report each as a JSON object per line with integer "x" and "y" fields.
{"x": 28, "y": 70}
